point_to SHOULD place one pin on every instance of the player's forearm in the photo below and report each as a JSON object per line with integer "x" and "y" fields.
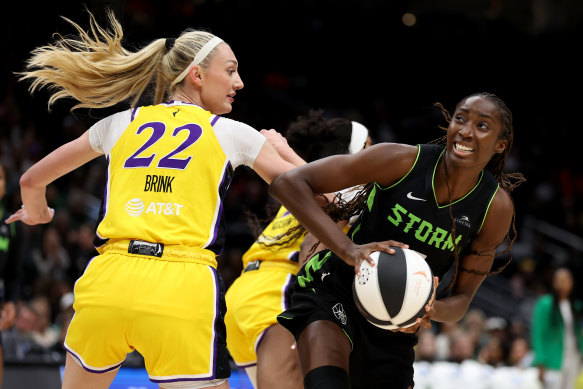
{"x": 297, "y": 197}
{"x": 451, "y": 309}
{"x": 290, "y": 156}
{"x": 34, "y": 201}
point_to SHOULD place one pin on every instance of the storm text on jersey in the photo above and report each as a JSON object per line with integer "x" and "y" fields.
{"x": 422, "y": 229}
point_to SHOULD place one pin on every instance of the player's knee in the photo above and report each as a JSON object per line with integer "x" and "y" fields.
{"x": 327, "y": 377}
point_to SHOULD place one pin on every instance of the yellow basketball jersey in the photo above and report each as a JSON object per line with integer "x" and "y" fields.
{"x": 270, "y": 247}
{"x": 166, "y": 179}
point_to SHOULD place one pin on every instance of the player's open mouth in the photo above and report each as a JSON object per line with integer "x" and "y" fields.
{"x": 461, "y": 148}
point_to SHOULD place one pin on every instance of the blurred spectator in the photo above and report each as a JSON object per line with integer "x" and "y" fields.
{"x": 517, "y": 327}
{"x": 443, "y": 340}
{"x": 496, "y": 326}
{"x": 53, "y": 266}
{"x": 426, "y": 349}
{"x": 17, "y": 340}
{"x": 520, "y": 354}
{"x": 462, "y": 347}
{"x": 474, "y": 323}
{"x": 495, "y": 352}
{"x": 52, "y": 260}
{"x": 557, "y": 336}
{"x": 43, "y": 333}
{"x": 33, "y": 333}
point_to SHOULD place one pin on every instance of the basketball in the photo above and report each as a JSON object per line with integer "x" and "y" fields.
{"x": 393, "y": 293}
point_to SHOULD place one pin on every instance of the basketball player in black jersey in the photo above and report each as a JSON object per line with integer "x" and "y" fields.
{"x": 10, "y": 267}
{"x": 449, "y": 200}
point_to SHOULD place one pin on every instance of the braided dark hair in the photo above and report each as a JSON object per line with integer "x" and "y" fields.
{"x": 312, "y": 137}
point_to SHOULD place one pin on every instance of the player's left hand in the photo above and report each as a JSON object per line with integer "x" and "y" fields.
{"x": 277, "y": 140}
{"x": 425, "y": 321}
{"x": 24, "y": 217}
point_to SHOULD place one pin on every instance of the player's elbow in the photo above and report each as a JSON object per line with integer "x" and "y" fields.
{"x": 281, "y": 184}
{"x": 27, "y": 181}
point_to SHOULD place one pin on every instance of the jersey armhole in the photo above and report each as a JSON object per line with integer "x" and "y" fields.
{"x": 405, "y": 176}
{"x": 487, "y": 209}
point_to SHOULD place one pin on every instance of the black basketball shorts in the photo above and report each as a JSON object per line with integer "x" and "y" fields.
{"x": 319, "y": 293}
{"x": 323, "y": 291}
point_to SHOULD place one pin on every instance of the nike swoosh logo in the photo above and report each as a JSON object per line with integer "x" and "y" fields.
{"x": 410, "y": 196}
{"x": 422, "y": 273}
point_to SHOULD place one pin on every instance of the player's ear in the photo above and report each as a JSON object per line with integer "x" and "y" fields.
{"x": 501, "y": 145}
{"x": 195, "y": 74}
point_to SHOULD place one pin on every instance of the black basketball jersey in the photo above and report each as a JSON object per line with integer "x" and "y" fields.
{"x": 10, "y": 260}
{"x": 408, "y": 212}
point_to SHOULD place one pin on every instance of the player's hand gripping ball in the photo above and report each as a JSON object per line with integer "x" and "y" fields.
{"x": 393, "y": 293}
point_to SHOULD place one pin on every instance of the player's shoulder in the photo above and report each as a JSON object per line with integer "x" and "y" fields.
{"x": 118, "y": 118}
{"x": 499, "y": 215}
{"x": 392, "y": 161}
{"x": 222, "y": 123}
{"x": 502, "y": 201}
{"x": 392, "y": 152}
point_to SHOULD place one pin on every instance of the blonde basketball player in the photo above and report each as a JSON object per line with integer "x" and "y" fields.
{"x": 154, "y": 285}
{"x": 255, "y": 340}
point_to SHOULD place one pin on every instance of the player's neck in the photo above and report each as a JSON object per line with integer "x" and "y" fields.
{"x": 452, "y": 183}
{"x": 181, "y": 95}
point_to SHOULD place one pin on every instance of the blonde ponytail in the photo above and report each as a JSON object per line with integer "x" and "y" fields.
{"x": 94, "y": 68}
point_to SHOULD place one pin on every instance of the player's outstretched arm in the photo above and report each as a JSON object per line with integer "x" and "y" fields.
{"x": 295, "y": 190}
{"x": 34, "y": 181}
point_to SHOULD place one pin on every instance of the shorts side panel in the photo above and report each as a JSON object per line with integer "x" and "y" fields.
{"x": 253, "y": 302}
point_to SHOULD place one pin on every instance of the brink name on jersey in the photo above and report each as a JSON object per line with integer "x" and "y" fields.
{"x": 156, "y": 183}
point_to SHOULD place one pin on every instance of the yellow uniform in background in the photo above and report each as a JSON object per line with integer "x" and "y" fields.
{"x": 262, "y": 291}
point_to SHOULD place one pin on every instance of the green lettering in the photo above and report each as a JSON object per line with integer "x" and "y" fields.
{"x": 448, "y": 245}
{"x": 314, "y": 264}
{"x": 423, "y": 231}
{"x": 437, "y": 237}
{"x": 412, "y": 220}
{"x": 397, "y": 210}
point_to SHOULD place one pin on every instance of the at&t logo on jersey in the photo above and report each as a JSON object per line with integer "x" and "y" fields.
{"x": 135, "y": 207}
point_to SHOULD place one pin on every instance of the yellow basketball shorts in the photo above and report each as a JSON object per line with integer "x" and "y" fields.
{"x": 253, "y": 302}
{"x": 169, "y": 309}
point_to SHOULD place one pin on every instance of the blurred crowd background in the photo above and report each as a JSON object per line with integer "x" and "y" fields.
{"x": 382, "y": 63}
